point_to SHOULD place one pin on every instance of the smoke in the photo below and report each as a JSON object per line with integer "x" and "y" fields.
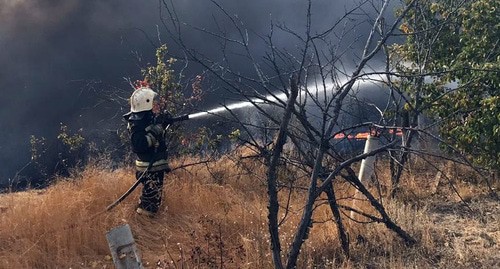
{"x": 52, "y": 50}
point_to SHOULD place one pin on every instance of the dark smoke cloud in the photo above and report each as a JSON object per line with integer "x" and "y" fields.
{"x": 51, "y": 49}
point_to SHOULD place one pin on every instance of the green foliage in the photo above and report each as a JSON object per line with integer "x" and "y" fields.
{"x": 202, "y": 141}
{"x": 458, "y": 43}
{"x": 175, "y": 100}
{"x": 235, "y": 135}
{"x": 74, "y": 142}
{"x": 38, "y": 147}
{"x": 59, "y": 156}
{"x": 161, "y": 78}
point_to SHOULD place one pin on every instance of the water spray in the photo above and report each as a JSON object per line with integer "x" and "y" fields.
{"x": 234, "y": 106}
{"x": 266, "y": 99}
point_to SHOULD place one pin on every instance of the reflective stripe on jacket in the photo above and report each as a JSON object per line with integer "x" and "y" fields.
{"x": 160, "y": 165}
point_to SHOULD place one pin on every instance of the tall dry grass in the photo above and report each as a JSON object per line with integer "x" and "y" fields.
{"x": 213, "y": 216}
{"x": 54, "y": 228}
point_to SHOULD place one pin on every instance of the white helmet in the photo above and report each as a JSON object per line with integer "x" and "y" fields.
{"x": 142, "y": 99}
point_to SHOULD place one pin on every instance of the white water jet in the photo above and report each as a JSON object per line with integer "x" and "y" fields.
{"x": 237, "y": 106}
{"x": 273, "y": 98}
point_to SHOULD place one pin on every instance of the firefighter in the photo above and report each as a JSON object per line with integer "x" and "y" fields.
{"x": 148, "y": 143}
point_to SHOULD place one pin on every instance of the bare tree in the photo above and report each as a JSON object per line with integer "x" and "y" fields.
{"x": 309, "y": 85}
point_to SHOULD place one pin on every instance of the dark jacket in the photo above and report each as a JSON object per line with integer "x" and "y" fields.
{"x": 147, "y": 143}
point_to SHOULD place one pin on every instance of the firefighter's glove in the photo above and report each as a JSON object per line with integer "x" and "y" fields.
{"x": 154, "y": 133}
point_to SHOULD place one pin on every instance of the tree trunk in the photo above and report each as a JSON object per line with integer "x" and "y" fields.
{"x": 332, "y": 201}
{"x": 272, "y": 175}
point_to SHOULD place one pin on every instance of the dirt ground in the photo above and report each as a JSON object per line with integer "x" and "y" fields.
{"x": 471, "y": 230}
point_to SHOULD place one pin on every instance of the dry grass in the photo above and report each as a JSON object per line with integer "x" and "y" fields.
{"x": 215, "y": 216}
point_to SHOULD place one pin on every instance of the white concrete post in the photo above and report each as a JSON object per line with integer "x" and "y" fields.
{"x": 123, "y": 250}
{"x": 367, "y": 165}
